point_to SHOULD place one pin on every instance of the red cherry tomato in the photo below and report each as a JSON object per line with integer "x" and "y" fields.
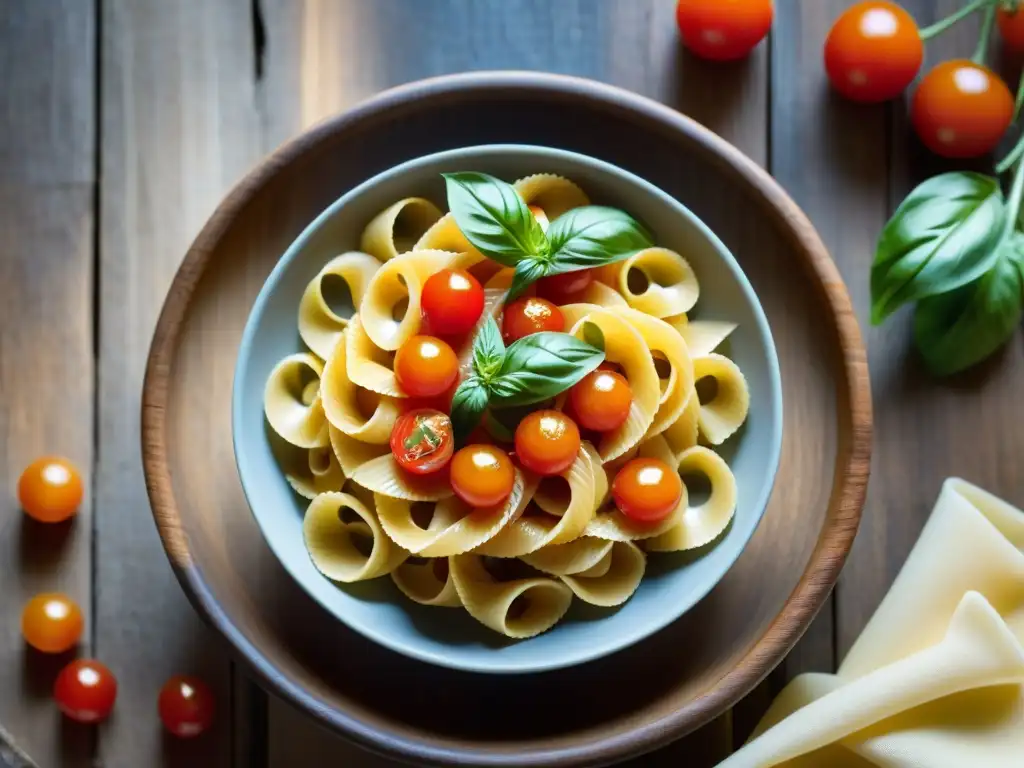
{"x": 50, "y": 489}
{"x": 722, "y": 30}
{"x": 961, "y": 109}
{"x": 452, "y": 301}
{"x": 422, "y": 442}
{"x": 85, "y": 691}
{"x": 51, "y": 623}
{"x": 1011, "y": 28}
{"x": 873, "y": 51}
{"x": 186, "y": 706}
{"x": 482, "y": 475}
{"x": 530, "y": 315}
{"x": 647, "y": 490}
{"x": 562, "y": 288}
{"x": 426, "y": 366}
{"x": 547, "y": 442}
{"x": 601, "y": 401}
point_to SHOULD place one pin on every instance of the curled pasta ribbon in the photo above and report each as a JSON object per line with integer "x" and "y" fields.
{"x": 351, "y": 453}
{"x": 529, "y": 533}
{"x": 334, "y": 544}
{"x": 397, "y": 228}
{"x": 383, "y": 476}
{"x": 345, "y": 403}
{"x": 554, "y": 194}
{"x": 454, "y": 527}
{"x": 602, "y": 295}
{"x": 368, "y": 365}
{"x": 581, "y": 555}
{"x": 721, "y": 416}
{"x": 390, "y": 310}
{"x": 658, "y": 282}
{"x": 625, "y": 346}
{"x": 703, "y": 337}
{"x": 682, "y": 433}
{"x": 623, "y": 568}
{"x": 704, "y": 523}
{"x": 292, "y": 406}
{"x": 319, "y": 326}
{"x": 520, "y": 608}
{"x": 427, "y": 583}
{"x": 319, "y": 473}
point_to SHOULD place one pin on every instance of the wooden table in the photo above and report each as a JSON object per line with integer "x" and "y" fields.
{"x": 123, "y": 122}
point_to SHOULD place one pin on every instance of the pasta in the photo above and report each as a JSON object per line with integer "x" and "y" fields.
{"x": 555, "y": 537}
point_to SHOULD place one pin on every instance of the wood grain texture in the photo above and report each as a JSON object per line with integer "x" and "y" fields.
{"x": 47, "y": 143}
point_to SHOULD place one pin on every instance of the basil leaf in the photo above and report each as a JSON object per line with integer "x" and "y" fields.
{"x": 956, "y": 330}
{"x": 488, "y": 349}
{"x": 494, "y": 218}
{"x": 594, "y": 235}
{"x": 468, "y": 405}
{"x": 942, "y": 237}
{"x": 593, "y": 335}
{"x": 527, "y": 271}
{"x": 498, "y": 429}
{"x": 540, "y": 366}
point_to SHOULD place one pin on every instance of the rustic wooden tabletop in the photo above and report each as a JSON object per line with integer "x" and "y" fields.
{"x": 123, "y": 122}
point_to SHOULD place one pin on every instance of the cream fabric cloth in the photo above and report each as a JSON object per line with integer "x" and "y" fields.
{"x": 936, "y": 680}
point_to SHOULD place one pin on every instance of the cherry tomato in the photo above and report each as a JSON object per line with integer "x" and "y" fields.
{"x": 51, "y": 623}
{"x": 1011, "y": 27}
{"x": 530, "y": 315}
{"x": 85, "y": 691}
{"x": 961, "y": 109}
{"x": 873, "y": 51}
{"x": 482, "y": 475}
{"x": 601, "y": 401}
{"x": 425, "y": 366}
{"x": 723, "y": 30}
{"x": 422, "y": 442}
{"x": 547, "y": 442}
{"x": 540, "y": 216}
{"x": 186, "y": 706}
{"x": 647, "y": 490}
{"x": 452, "y": 301}
{"x": 561, "y": 288}
{"x": 50, "y": 489}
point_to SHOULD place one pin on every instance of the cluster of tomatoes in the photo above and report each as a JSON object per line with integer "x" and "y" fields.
{"x": 960, "y": 108}
{"x": 50, "y": 491}
{"x": 546, "y": 442}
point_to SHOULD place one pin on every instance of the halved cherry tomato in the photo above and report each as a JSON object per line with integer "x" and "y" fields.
{"x": 540, "y": 216}
{"x": 601, "y": 401}
{"x": 1011, "y": 28}
{"x": 530, "y": 315}
{"x": 426, "y": 366}
{"x": 873, "y": 51}
{"x": 722, "y": 30}
{"x": 85, "y": 691}
{"x": 50, "y": 489}
{"x": 422, "y": 441}
{"x": 647, "y": 490}
{"x": 452, "y": 301}
{"x": 482, "y": 475}
{"x": 51, "y": 622}
{"x": 547, "y": 442}
{"x": 186, "y": 706}
{"x": 961, "y": 109}
{"x": 562, "y": 288}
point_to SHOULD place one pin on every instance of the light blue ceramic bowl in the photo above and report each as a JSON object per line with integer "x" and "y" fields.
{"x": 376, "y": 609}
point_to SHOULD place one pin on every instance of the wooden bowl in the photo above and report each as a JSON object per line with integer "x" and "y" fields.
{"x": 609, "y": 709}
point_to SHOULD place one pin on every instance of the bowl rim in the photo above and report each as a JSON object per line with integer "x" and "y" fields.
{"x": 854, "y": 434}
{"x": 617, "y": 176}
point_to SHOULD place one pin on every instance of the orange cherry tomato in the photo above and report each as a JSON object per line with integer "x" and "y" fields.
{"x": 452, "y": 301}
{"x": 186, "y": 706}
{"x": 873, "y": 51}
{"x": 85, "y": 691}
{"x": 50, "y": 489}
{"x": 1011, "y": 28}
{"x": 540, "y": 216}
{"x": 562, "y": 288}
{"x": 51, "y": 623}
{"x": 723, "y": 30}
{"x": 601, "y": 401}
{"x": 647, "y": 490}
{"x": 422, "y": 441}
{"x": 482, "y": 475}
{"x": 426, "y": 366}
{"x": 530, "y": 315}
{"x": 961, "y": 109}
{"x": 547, "y": 442}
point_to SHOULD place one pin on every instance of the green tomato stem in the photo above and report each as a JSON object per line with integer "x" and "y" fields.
{"x": 942, "y": 25}
{"x": 1016, "y": 193}
{"x": 1014, "y": 154}
{"x": 986, "y": 34}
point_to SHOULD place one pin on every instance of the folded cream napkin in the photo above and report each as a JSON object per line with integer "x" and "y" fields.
{"x": 936, "y": 680}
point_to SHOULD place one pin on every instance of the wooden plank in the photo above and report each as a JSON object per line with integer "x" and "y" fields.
{"x": 178, "y": 128}
{"x": 47, "y": 145}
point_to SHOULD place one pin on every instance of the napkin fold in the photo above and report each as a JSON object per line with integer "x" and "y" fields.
{"x": 936, "y": 680}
